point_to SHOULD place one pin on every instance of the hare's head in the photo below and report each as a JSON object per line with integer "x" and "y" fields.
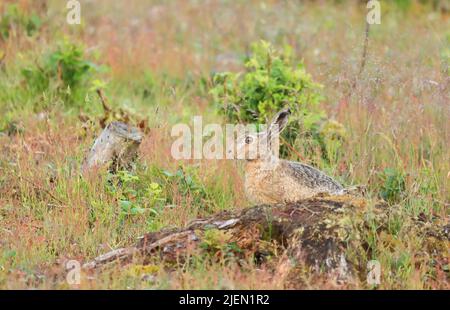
{"x": 263, "y": 145}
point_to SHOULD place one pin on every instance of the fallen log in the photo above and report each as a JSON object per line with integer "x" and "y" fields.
{"x": 323, "y": 233}
{"x": 116, "y": 147}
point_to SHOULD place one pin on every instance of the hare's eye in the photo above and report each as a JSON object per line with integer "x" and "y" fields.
{"x": 248, "y": 140}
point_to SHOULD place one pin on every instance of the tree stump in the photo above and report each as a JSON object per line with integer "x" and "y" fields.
{"x": 115, "y": 148}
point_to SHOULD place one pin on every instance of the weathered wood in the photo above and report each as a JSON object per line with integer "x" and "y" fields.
{"x": 312, "y": 229}
{"x": 116, "y": 147}
{"x": 110, "y": 257}
{"x": 323, "y": 233}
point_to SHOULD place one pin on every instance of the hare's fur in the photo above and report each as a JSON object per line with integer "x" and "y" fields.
{"x": 287, "y": 181}
{"x": 269, "y": 180}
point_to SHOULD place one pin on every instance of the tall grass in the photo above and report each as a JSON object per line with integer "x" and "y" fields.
{"x": 160, "y": 57}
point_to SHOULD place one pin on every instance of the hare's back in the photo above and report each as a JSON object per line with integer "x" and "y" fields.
{"x": 311, "y": 177}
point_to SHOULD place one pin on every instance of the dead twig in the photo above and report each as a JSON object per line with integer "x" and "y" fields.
{"x": 104, "y": 101}
{"x": 292, "y": 149}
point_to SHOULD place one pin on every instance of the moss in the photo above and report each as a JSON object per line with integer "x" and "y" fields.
{"x": 140, "y": 270}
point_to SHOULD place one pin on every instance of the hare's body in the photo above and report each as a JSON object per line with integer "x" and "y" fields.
{"x": 269, "y": 180}
{"x": 286, "y": 181}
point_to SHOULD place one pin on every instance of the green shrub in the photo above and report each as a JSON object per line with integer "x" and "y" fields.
{"x": 135, "y": 196}
{"x": 66, "y": 69}
{"x": 12, "y": 17}
{"x": 186, "y": 184}
{"x": 393, "y": 185}
{"x": 271, "y": 82}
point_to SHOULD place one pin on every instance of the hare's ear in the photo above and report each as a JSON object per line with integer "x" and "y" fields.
{"x": 279, "y": 123}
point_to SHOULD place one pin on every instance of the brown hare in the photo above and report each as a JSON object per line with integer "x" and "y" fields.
{"x": 269, "y": 180}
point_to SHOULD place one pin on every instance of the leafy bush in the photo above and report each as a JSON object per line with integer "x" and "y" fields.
{"x": 329, "y": 137}
{"x": 136, "y": 197}
{"x": 393, "y": 185}
{"x": 270, "y": 83}
{"x": 186, "y": 184}
{"x": 12, "y": 17}
{"x": 66, "y": 67}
